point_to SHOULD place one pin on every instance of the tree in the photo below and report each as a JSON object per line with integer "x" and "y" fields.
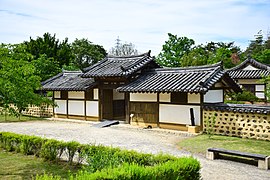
{"x": 18, "y": 82}
{"x": 46, "y": 67}
{"x": 51, "y": 47}
{"x": 125, "y": 49}
{"x": 266, "y": 81}
{"x": 173, "y": 50}
{"x": 86, "y": 53}
{"x": 212, "y": 53}
{"x": 259, "y": 48}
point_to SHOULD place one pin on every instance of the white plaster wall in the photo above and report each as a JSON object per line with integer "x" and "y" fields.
{"x": 260, "y": 95}
{"x": 92, "y": 108}
{"x": 57, "y": 94}
{"x": 95, "y": 91}
{"x": 249, "y": 67}
{"x": 165, "y": 97}
{"x": 145, "y": 97}
{"x": 76, "y": 94}
{"x": 259, "y": 87}
{"x": 178, "y": 114}
{"x": 76, "y": 107}
{"x": 214, "y": 96}
{"x": 194, "y": 98}
{"x": 61, "y": 107}
{"x": 118, "y": 95}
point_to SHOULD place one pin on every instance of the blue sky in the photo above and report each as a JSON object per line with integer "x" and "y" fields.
{"x": 144, "y": 23}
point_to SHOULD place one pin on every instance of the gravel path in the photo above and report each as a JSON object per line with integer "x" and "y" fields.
{"x": 128, "y": 137}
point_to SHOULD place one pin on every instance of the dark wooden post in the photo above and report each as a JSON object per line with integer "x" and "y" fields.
{"x": 192, "y": 119}
{"x": 127, "y": 98}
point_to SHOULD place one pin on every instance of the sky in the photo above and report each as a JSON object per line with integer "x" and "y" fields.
{"x": 145, "y": 23}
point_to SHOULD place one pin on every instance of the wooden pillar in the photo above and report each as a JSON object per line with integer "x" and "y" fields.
{"x": 85, "y": 105}
{"x": 67, "y": 102}
{"x": 100, "y": 101}
{"x": 53, "y": 102}
{"x": 127, "y": 105}
{"x": 158, "y": 109}
{"x": 201, "y": 110}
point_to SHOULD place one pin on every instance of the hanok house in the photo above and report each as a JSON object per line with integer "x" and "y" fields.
{"x": 92, "y": 95}
{"x": 136, "y": 90}
{"x": 75, "y": 97}
{"x": 170, "y": 97}
{"x": 249, "y": 74}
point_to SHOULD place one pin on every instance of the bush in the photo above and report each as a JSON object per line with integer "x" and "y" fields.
{"x": 182, "y": 168}
{"x": 244, "y": 96}
{"x": 103, "y": 162}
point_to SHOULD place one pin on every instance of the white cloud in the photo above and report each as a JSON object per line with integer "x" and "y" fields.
{"x": 144, "y": 23}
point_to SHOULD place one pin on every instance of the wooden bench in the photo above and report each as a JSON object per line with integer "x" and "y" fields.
{"x": 263, "y": 160}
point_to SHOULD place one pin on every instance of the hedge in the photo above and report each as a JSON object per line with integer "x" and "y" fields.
{"x": 102, "y": 162}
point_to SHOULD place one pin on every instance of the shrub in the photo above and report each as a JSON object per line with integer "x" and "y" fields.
{"x": 243, "y": 96}
{"x": 52, "y": 150}
{"x": 182, "y": 168}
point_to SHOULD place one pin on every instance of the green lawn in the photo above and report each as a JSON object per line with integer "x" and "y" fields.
{"x": 17, "y": 119}
{"x": 18, "y": 166}
{"x": 200, "y": 143}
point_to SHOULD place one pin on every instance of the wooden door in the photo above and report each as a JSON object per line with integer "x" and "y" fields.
{"x": 107, "y": 104}
{"x": 119, "y": 109}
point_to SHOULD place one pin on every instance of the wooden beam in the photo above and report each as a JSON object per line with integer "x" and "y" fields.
{"x": 127, "y": 106}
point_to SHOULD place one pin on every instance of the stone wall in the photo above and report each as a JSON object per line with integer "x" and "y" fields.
{"x": 43, "y": 111}
{"x": 231, "y": 122}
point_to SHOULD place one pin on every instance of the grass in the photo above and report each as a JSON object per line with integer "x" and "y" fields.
{"x": 23, "y": 118}
{"x": 18, "y": 166}
{"x": 199, "y": 144}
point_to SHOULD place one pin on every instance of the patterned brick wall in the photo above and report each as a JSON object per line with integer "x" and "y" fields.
{"x": 240, "y": 124}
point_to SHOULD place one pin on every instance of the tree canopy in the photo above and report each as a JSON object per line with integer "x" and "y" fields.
{"x": 18, "y": 82}
{"x": 86, "y": 53}
{"x": 182, "y": 51}
{"x": 173, "y": 50}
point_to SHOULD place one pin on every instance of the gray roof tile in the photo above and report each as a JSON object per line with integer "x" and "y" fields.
{"x": 68, "y": 80}
{"x": 118, "y": 66}
{"x": 190, "y": 79}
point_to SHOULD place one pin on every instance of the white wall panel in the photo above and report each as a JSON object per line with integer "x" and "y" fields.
{"x": 178, "y": 114}
{"x": 194, "y": 98}
{"x": 76, "y": 94}
{"x": 214, "y": 96}
{"x": 95, "y": 94}
{"x": 57, "y": 94}
{"x": 259, "y": 87}
{"x": 92, "y": 108}
{"x": 260, "y": 95}
{"x": 118, "y": 95}
{"x": 61, "y": 107}
{"x": 165, "y": 97}
{"x": 76, "y": 107}
{"x": 249, "y": 67}
{"x": 144, "y": 97}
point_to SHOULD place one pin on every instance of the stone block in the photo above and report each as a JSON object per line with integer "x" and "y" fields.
{"x": 264, "y": 164}
{"x": 210, "y": 155}
{"x": 193, "y": 129}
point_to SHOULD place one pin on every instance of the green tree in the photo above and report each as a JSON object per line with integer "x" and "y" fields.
{"x": 259, "y": 48}
{"x": 211, "y": 53}
{"x": 51, "y": 47}
{"x": 18, "y": 82}
{"x": 123, "y": 49}
{"x": 173, "y": 50}
{"x": 86, "y": 53}
{"x": 46, "y": 67}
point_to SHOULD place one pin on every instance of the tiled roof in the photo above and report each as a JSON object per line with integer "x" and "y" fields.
{"x": 190, "y": 79}
{"x": 249, "y": 74}
{"x": 237, "y": 72}
{"x": 68, "y": 80}
{"x": 243, "y": 108}
{"x": 252, "y": 62}
{"x": 119, "y": 66}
